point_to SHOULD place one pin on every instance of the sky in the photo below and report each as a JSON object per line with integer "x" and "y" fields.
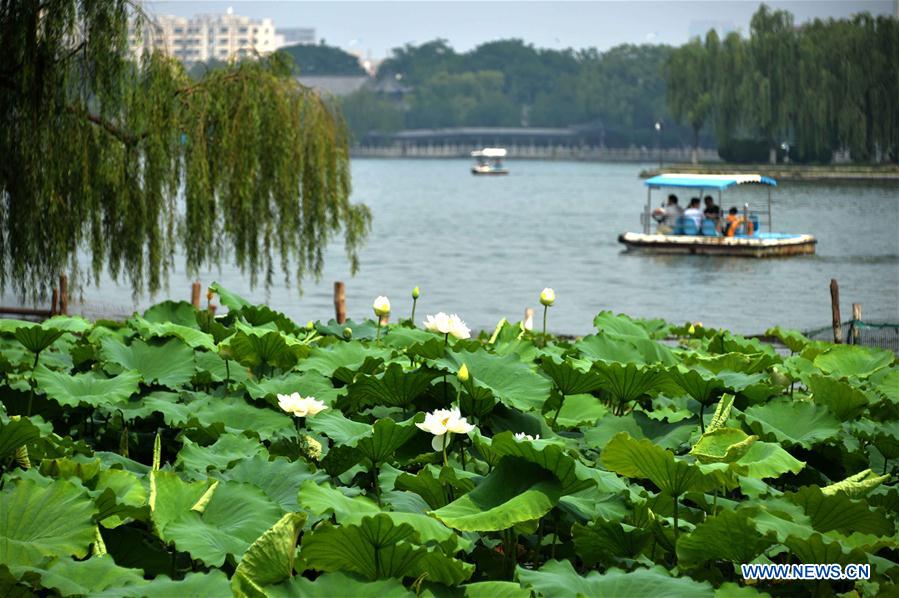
{"x": 374, "y": 27}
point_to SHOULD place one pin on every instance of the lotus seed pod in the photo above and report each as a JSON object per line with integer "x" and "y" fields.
{"x": 416, "y": 293}
{"x": 347, "y": 333}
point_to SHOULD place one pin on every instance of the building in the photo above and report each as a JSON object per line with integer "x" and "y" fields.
{"x": 297, "y": 35}
{"x": 206, "y": 37}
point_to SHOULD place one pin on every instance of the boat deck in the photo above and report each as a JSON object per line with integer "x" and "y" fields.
{"x": 760, "y": 245}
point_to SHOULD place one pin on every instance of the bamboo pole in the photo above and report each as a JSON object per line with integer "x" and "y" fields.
{"x": 195, "y": 294}
{"x": 340, "y": 302}
{"x": 63, "y": 294}
{"x": 856, "y": 317}
{"x": 835, "y": 311}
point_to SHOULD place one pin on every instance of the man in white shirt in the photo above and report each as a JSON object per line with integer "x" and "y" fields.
{"x": 667, "y": 216}
{"x": 694, "y": 213}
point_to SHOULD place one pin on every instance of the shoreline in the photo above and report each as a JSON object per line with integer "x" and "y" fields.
{"x": 885, "y": 173}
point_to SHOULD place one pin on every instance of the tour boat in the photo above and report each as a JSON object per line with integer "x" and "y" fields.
{"x": 489, "y": 161}
{"x": 686, "y": 237}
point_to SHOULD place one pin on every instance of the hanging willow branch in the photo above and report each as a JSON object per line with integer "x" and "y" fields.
{"x": 128, "y": 163}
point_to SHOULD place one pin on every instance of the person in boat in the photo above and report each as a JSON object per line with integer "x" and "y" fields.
{"x": 712, "y": 211}
{"x": 667, "y": 216}
{"x": 694, "y": 213}
{"x": 734, "y": 221}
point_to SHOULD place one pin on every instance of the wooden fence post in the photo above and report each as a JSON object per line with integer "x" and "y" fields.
{"x": 340, "y": 302}
{"x": 835, "y": 311}
{"x": 856, "y": 317}
{"x": 63, "y": 294}
{"x": 195, "y": 294}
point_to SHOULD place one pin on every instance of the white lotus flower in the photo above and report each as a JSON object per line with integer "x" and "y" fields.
{"x": 448, "y": 324}
{"x": 442, "y": 423}
{"x": 547, "y": 296}
{"x": 458, "y": 327}
{"x": 300, "y": 406}
{"x": 519, "y": 436}
{"x": 381, "y": 306}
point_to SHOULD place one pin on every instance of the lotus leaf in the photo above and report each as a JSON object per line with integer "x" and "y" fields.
{"x": 793, "y": 422}
{"x": 722, "y": 445}
{"x": 170, "y": 364}
{"x": 88, "y": 389}
{"x": 270, "y": 559}
{"x": 853, "y": 360}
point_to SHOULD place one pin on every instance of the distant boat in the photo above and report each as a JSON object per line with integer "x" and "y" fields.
{"x": 710, "y": 237}
{"x": 489, "y": 161}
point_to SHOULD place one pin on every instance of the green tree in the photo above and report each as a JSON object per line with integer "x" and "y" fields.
{"x": 322, "y": 59}
{"x": 690, "y": 91}
{"x": 126, "y": 161}
{"x": 366, "y": 111}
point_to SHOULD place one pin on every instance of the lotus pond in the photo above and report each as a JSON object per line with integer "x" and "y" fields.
{"x": 154, "y": 457}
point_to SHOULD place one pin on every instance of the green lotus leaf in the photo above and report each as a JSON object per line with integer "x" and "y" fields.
{"x": 350, "y": 356}
{"x": 270, "y": 559}
{"x": 36, "y": 338}
{"x": 238, "y": 416}
{"x": 642, "y": 459}
{"x": 77, "y": 466}
{"x": 308, "y": 384}
{"x": 262, "y": 316}
{"x": 174, "y": 413}
{"x": 269, "y": 348}
{"x": 44, "y": 521}
{"x": 722, "y": 445}
{"x": 220, "y": 369}
{"x": 227, "y": 450}
{"x": 794, "y": 340}
{"x": 321, "y": 498}
{"x": 398, "y": 337}
{"x": 235, "y": 516}
{"x": 88, "y": 389}
{"x": 703, "y": 387}
{"x": 722, "y": 413}
{"x": 568, "y": 379}
{"x": 232, "y": 301}
{"x": 512, "y": 382}
{"x": 118, "y": 494}
{"x": 843, "y": 400}
{"x": 174, "y": 312}
{"x": 608, "y": 541}
{"x": 191, "y": 336}
{"x": 620, "y": 325}
{"x": 15, "y": 433}
{"x": 171, "y": 497}
{"x": 627, "y": 383}
{"x": 549, "y": 455}
{"x": 638, "y": 425}
{"x": 494, "y": 589}
{"x": 888, "y": 384}
{"x": 883, "y": 435}
{"x": 767, "y": 460}
{"x": 857, "y": 485}
{"x": 839, "y": 512}
{"x": 375, "y": 442}
{"x": 853, "y": 360}
{"x": 728, "y": 536}
{"x": 278, "y": 478}
{"x": 618, "y": 349}
{"x": 559, "y": 579}
{"x": 425, "y": 485}
{"x": 579, "y": 410}
{"x": 514, "y": 492}
{"x": 338, "y": 583}
{"x": 376, "y": 548}
{"x": 365, "y": 329}
{"x": 170, "y": 364}
{"x": 793, "y": 422}
{"x": 85, "y": 578}
{"x": 817, "y": 548}
{"x": 394, "y": 388}
{"x": 214, "y": 583}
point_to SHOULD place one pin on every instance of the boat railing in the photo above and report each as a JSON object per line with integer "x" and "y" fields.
{"x": 760, "y": 216}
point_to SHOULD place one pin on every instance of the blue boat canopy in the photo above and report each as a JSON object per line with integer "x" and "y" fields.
{"x": 708, "y": 181}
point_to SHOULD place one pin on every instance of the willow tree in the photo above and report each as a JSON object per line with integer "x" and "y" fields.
{"x": 690, "y": 92}
{"x": 129, "y": 162}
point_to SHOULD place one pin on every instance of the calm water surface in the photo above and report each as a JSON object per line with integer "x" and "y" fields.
{"x": 485, "y": 247}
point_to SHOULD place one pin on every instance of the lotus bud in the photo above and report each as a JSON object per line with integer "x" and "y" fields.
{"x": 463, "y": 373}
{"x": 547, "y": 297}
{"x": 310, "y": 325}
{"x": 347, "y": 333}
{"x": 691, "y": 330}
{"x": 381, "y": 306}
{"x": 209, "y": 294}
{"x": 416, "y": 293}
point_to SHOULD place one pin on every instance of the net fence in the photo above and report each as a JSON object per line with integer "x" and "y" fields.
{"x": 857, "y": 332}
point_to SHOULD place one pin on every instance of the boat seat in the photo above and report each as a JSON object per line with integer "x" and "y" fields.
{"x": 755, "y": 224}
{"x": 708, "y": 228}
{"x": 679, "y": 226}
{"x": 690, "y": 227}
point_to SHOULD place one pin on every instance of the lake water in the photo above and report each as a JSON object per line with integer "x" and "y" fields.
{"x": 484, "y": 247}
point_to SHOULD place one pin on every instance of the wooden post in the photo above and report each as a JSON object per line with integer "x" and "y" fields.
{"x": 835, "y": 311}
{"x": 856, "y": 317}
{"x": 54, "y": 302}
{"x": 63, "y": 294}
{"x": 195, "y": 294}
{"x": 340, "y": 302}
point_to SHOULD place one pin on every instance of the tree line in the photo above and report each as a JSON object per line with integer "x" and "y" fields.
{"x": 802, "y": 91}
{"x": 784, "y": 90}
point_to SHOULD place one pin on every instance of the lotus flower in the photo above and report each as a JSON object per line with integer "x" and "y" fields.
{"x": 448, "y": 324}
{"x": 443, "y": 422}
{"x": 547, "y": 297}
{"x": 299, "y": 406}
{"x": 381, "y": 306}
{"x": 519, "y": 436}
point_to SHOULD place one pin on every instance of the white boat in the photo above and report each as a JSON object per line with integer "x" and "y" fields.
{"x": 745, "y": 239}
{"x": 489, "y": 161}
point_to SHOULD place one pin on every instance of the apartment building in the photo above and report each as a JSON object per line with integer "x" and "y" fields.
{"x": 207, "y": 37}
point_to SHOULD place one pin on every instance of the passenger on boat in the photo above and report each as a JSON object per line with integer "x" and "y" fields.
{"x": 694, "y": 213}
{"x": 668, "y": 216}
{"x": 735, "y": 222}
{"x": 712, "y": 211}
